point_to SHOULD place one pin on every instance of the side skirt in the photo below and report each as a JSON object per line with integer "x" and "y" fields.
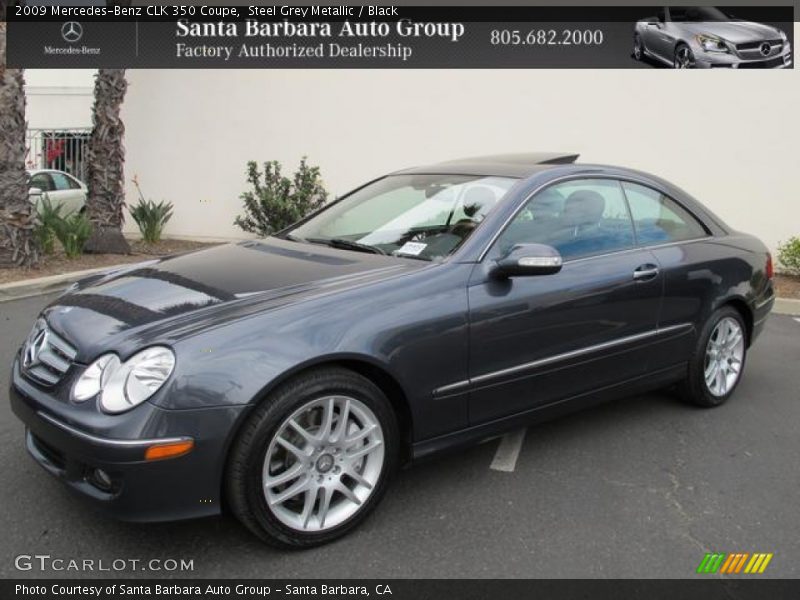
{"x": 472, "y": 435}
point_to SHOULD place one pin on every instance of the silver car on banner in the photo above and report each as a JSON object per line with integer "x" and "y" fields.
{"x": 707, "y": 37}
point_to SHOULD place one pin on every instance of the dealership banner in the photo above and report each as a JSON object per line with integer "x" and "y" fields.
{"x": 43, "y": 35}
{"x": 399, "y": 589}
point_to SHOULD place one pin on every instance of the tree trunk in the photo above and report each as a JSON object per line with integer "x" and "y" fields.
{"x": 106, "y": 160}
{"x": 17, "y": 218}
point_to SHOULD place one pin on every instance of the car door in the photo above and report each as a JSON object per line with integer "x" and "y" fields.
{"x": 656, "y": 37}
{"x": 67, "y": 192}
{"x": 691, "y": 263}
{"x": 535, "y": 340}
{"x": 43, "y": 182}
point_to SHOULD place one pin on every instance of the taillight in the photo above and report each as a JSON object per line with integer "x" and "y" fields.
{"x": 770, "y": 269}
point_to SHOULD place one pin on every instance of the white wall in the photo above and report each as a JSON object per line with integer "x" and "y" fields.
{"x": 59, "y": 98}
{"x": 729, "y": 138}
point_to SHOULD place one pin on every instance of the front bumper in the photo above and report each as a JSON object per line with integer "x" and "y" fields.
{"x": 714, "y": 60}
{"x": 68, "y": 443}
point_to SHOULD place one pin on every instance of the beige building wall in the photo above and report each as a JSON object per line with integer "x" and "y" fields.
{"x": 728, "y": 138}
{"x": 59, "y": 98}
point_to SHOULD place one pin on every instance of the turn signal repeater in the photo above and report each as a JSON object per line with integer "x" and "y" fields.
{"x": 168, "y": 450}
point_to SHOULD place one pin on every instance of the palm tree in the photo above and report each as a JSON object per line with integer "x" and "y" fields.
{"x": 17, "y": 246}
{"x": 106, "y": 161}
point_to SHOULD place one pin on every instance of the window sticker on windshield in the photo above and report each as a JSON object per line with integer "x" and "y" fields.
{"x": 412, "y": 248}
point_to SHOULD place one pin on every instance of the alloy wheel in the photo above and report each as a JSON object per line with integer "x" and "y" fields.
{"x": 684, "y": 58}
{"x": 724, "y": 357}
{"x": 323, "y": 463}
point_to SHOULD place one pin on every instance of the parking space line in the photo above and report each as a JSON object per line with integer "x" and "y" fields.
{"x": 505, "y": 459}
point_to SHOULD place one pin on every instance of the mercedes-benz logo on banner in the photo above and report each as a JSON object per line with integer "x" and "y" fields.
{"x": 766, "y": 48}
{"x": 71, "y": 31}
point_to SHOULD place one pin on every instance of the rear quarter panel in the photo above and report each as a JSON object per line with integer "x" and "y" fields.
{"x": 703, "y": 275}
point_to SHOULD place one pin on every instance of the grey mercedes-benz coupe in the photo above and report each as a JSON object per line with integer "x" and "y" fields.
{"x": 285, "y": 379}
{"x": 707, "y": 37}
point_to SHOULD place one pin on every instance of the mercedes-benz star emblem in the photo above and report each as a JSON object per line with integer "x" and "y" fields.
{"x": 34, "y": 348}
{"x": 71, "y": 31}
{"x": 766, "y": 48}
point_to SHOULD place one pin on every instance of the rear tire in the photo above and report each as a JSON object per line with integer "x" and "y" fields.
{"x": 717, "y": 364}
{"x": 330, "y": 434}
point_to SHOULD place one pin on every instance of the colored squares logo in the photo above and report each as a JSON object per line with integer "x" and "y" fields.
{"x": 734, "y": 563}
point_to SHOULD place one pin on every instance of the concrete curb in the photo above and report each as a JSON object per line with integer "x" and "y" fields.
{"x": 56, "y": 283}
{"x": 46, "y": 285}
{"x": 786, "y": 306}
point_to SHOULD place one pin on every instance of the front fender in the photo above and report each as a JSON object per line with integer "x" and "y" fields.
{"x": 415, "y": 333}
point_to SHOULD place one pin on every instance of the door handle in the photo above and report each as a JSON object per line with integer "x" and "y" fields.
{"x": 645, "y": 273}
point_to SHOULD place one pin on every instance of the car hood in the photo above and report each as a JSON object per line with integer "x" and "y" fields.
{"x": 735, "y": 32}
{"x": 163, "y": 300}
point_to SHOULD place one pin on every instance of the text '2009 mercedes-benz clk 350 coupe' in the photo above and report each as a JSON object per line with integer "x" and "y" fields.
{"x": 287, "y": 378}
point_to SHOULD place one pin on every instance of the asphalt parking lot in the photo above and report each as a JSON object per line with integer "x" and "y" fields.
{"x": 642, "y": 487}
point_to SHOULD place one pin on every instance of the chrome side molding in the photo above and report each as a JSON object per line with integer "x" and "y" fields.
{"x": 478, "y": 379}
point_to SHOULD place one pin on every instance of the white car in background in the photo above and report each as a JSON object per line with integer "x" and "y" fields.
{"x": 60, "y": 187}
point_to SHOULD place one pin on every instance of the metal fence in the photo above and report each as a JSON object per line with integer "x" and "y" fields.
{"x": 61, "y": 149}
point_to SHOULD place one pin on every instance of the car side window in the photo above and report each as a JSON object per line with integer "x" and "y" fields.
{"x": 60, "y": 181}
{"x": 41, "y": 181}
{"x": 578, "y": 218}
{"x": 73, "y": 183}
{"x": 658, "y": 218}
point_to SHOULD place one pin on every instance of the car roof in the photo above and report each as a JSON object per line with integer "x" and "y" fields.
{"x": 498, "y": 165}
{"x": 48, "y": 171}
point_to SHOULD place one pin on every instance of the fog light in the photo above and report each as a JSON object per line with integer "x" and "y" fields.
{"x": 101, "y": 480}
{"x": 169, "y": 450}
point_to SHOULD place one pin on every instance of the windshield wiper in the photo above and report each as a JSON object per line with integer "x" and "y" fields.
{"x": 346, "y": 245}
{"x": 413, "y": 256}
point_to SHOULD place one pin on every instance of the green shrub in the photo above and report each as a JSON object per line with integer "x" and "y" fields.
{"x": 789, "y": 255}
{"x": 275, "y": 201}
{"x": 48, "y": 218}
{"x": 73, "y": 231}
{"x": 149, "y": 216}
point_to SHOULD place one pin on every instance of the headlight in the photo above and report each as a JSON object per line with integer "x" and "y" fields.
{"x": 94, "y": 377}
{"x": 710, "y": 43}
{"x": 124, "y": 385}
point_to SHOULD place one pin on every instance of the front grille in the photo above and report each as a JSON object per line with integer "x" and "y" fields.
{"x": 757, "y": 45}
{"x": 762, "y": 64}
{"x": 46, "y": 356}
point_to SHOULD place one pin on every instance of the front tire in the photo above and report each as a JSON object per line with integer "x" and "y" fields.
{"x": 313, "y": 459}
{"x": 717, "y": 363}
{"x": 684, "y": 58}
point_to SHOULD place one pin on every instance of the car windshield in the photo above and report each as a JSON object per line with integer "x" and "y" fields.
{"x": 697, "y": 14}
{"x": 414, "y": 216}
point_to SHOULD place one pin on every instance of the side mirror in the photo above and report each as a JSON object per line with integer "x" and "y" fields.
{"x": 528, "y": 259}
